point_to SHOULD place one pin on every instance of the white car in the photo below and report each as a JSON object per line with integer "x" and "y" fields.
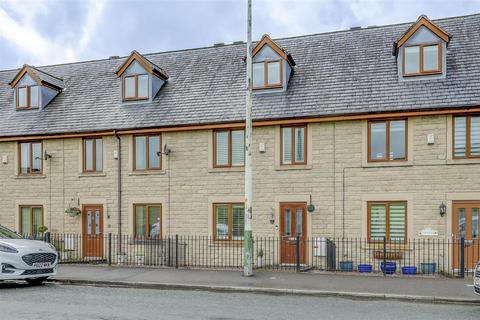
{"x": 23, "y": 259}
{"x": 476, "y": 279}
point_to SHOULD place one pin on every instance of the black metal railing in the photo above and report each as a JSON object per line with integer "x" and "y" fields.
{"x": 449, "y": 257}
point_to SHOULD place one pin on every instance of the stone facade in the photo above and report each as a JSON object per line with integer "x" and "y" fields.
{"x": 337, "y": 176}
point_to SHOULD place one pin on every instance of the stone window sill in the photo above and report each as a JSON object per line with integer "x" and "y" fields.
{"x": 293, "y": 167}
{"x": 35, "y": 176}
{"x": 463, "y": 161}
{"x": 147, "y": 173}
{"x": 227, "y": 169}
{"x": 92, "y": 174}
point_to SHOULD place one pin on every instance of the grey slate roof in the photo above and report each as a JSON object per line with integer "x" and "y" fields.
{"x": 48, "y": 77}
{"x": 337, "y": 73}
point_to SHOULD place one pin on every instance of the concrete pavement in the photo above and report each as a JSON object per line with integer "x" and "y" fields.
{"x": 433, "y": 290}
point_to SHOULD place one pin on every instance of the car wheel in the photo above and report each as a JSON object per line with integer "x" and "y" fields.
{"x": 36, "y": 281}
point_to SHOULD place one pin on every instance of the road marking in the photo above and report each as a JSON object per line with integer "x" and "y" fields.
{"x": 469, "y": 285}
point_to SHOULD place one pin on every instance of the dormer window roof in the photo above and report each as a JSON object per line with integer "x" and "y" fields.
{"x": 421, "y": 50}
{"x": 141, "y": 79}
{"x": 272, "y": 65}
{"x": 34, "y": 88}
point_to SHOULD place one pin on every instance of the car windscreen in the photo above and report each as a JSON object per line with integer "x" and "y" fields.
{"x": 8, "y": 234}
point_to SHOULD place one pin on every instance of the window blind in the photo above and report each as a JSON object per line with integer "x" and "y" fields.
{"x": 287, "y": 145}
{"x": 221, "y": 148}
{"x": 238, "y": 215}
{"x": 397, "y": 221}
{"x": 378, "y": 226}
{"x": 238, "y": 147}
{"x": 460, "y": 136}
{"x": 475, "y": 136}
{"x": 299, "y": 144}
{"x": 221, "y": 222}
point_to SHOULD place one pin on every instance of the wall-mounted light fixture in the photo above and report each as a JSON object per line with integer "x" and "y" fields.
{"x": 46, "y": 156}
{"x": 443, "y": 209}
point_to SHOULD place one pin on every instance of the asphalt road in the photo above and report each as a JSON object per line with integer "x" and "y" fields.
{"x": 65, "y": 302}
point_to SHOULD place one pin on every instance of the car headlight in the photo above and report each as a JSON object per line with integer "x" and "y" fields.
{"x": 8, "y": 249}
{"x": 52, "y": 246}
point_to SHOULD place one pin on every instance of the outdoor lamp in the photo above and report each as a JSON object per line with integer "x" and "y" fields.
{"x": 443, "y": 209}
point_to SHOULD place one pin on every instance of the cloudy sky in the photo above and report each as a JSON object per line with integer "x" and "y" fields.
{"x": 41, "y": 32}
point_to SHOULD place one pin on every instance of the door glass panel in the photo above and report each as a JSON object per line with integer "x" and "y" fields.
{"x": 222, "y": 222}
{"x": 89, "y": 222}
{"x": 299, "y": 221}
{"x": 154, "y": 152}
{"x": 460, "y": 140}
{"x": 378, "y": 219}
{"x": 475, "y": 136}
{"x": 97, "y": 222}
{"x": 140, "y": 153}
{"x": 378, "y": 140}
{"x": 26, "y": 226}
{"x": 461, "y": 222}
{"x": 397, "y": 140}
{"x": 288, "y": 222}
{"x": 474, "y": 223}
{"x": 221, "y": 148}
{"x": 287, "y": 145}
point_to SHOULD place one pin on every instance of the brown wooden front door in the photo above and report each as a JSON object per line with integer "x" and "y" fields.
{"x": 466, "y": 225}
{"x": 293, "y": 223}
{"x": 92, "y": 216}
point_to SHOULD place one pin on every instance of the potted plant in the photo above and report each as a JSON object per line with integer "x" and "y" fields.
{"x": 365, "y": 268}
{"x": 428, "y": 267}
{"x": 260, "y": 258}
{"x": 409, "y": 270}
{"x": 388, "y": 267}
{"x": 346, "y": 265}
{"x": 73, "y": 211}
{"x": 41, "y": 230}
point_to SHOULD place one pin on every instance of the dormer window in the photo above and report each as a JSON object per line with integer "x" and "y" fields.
{"x": 140, "y": 78}
{"x": 421, "y": 51}
{"x": 34, "y": 89}
{"x": 267, "y": 74}
{"x": 135, "y": 87}
{"x": 422, "y": 59}
{"x": 272, "y": 66}
{"x": 27, "y": 97}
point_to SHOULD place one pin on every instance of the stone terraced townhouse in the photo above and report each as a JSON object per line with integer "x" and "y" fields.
{"x": 378, "y": 128}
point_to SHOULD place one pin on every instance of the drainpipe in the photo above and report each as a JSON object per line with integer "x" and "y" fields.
{"x": 119, "y": 188}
